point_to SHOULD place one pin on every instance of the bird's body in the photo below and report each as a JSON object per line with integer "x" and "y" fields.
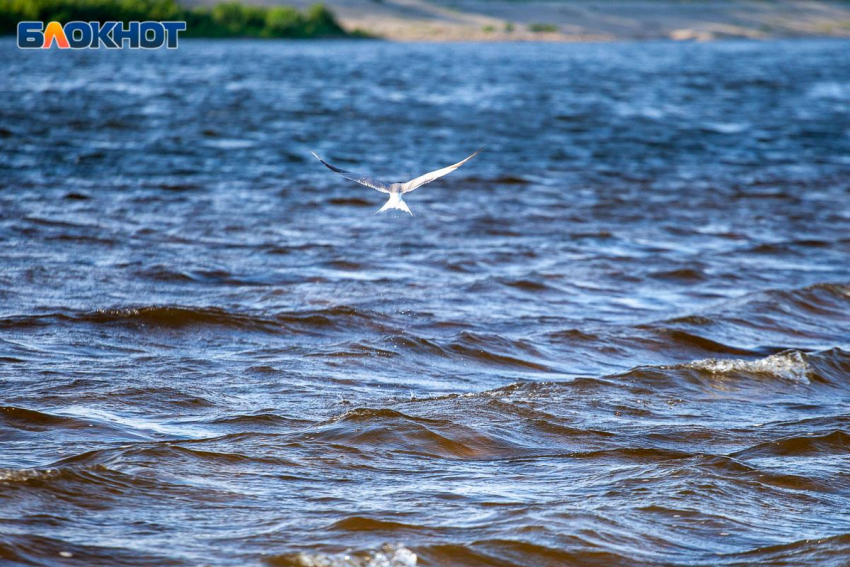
{"x": 395, "y": 190}
{"x": 395, "y": 202}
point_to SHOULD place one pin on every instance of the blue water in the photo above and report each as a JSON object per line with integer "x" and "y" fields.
{"x": 618, "y": 336}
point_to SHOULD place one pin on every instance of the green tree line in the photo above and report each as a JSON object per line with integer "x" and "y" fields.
{"x": 230, "y": 19}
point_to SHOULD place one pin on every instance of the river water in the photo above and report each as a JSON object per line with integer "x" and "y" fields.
{"x": 618, "y": 336}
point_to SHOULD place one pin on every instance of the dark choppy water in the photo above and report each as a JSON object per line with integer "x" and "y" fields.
{"x": 619, "y": 336}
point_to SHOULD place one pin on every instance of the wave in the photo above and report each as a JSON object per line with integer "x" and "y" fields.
{"x": 496, "y": 349}
{"x": 364, "y": 524}
{"x": 29, "y": 425}
{"x": 31, "y": 549}
{"x": 174, "y": 316}
{"x": 33, "y": 420}
{"x": 391, "y": 430}
{"x": 758, "y": 324}
{"x": 790, "y": 365}
{"x": 824, "y": 372}
{"x": 165, "y": 273}
{"x": 84, "y": 484}
{"x": 518, "y": 553}
{"x": 830, "y": 367}
{"x": 387, "y": 556}
{"x": 832, "y": 550}
{"x": 180, "y": 317}
{"x": 26, "y": 475}
{"x": 696, "y": 341}
{"x": 195, "y": 453}
{"x": 738, "y": 472}
{"x": 486, "y": 349}
{"x": 250, "y": 421}
{"x": 836, "y": 443}
{"x": 502, "y": 552}
{"x": 168, "y": 316}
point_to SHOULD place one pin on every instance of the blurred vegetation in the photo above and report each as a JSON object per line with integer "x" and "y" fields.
{"x": 540, "y": 28}
{"x": 230, "y": 19}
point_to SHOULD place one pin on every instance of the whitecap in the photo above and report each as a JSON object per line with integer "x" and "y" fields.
{"x": 23, "y": 475}
{"x": 790, "y": 365}
{"x": 388, "y": 556}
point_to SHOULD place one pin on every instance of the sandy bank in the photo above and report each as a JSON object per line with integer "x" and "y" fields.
{"x": 577, "y": 20}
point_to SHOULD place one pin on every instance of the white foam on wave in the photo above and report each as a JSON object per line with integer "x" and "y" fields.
{"x": 387, "y": 556}
{"x": 23, "y": 475}
{"x": 787, "y": 365}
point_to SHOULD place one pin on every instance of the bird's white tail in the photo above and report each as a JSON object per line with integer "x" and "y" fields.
{"x": 395, "y": 202}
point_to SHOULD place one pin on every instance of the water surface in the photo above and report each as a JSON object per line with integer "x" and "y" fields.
{"x": 619, "y": 336}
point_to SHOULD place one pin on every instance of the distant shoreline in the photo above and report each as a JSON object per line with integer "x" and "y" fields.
{"x": 581, "y": 20}
{"x": 464, "y": 20}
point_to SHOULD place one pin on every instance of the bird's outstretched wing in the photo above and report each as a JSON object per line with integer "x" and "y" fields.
{"x": 429, "y": 177}
{"x": 376, "y": 184}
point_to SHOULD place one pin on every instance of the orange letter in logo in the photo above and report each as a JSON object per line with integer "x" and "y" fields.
{"x": 54, "y": 31}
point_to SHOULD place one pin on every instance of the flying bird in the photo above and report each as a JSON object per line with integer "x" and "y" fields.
{"x": 396, "y": 190}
